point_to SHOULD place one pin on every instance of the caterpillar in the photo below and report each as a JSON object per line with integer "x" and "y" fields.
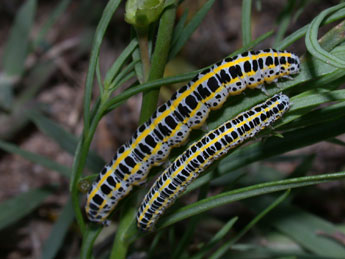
{"x": 171, "y": 123}
{"x": 188, "y": 166}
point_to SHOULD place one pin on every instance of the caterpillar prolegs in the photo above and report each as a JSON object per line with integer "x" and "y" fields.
{"x": 171, "y": 123}
{"x": 175, "y": 179}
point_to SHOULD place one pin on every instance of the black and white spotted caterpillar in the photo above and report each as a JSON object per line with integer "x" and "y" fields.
{"x": 171, "y": 123}
{"x": 188, "y": 166}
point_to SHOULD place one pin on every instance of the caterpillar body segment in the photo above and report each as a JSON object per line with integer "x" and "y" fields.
{"x": 172, "y": 122}
{"x": 175, "y": 179}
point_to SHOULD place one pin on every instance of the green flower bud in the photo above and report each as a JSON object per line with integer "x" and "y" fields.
{"x": 140, "y": 13}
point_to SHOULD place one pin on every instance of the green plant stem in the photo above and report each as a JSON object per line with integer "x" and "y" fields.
{"x": 159, "y": 60}
{"x": 143, "y": 41}
{"x": 80, "y": 160}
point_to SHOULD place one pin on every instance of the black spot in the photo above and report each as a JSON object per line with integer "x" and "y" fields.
{"x": 276, "y": 61}
{"x": 228, "y": 138}
{"x": 205, "y": 71}
{"x": 234, "y": 134}
{"x": 93, "y": 207}
{"x": 183, "y": 110}
{"x": 261, "y": 63}
{"x": 111, "y": 181}
{"x": 105, "y": 189}
{"x": 263, "y": 117}
{"x": 124, "y": 169}
{"x": 164, "y": 130}
{"x": 200, "y": 159}
{"x": 269, "y": 61}
{"x": 150, "y": 140}
{"x": 142, "y": 128}
{"x": 213, "y": 84}
{"x": 224, "y": 76}
{"x": 191, "y": 102}
{"x": 138, "y": 153}
{"x": 247, "y": 67}
{"x": 246, "y": 127}
{"x": 98, "y": 199}
{"x": 183, "y": 89}
{"x": 121, "y": 149}
{"x": 233, "y": 71}
{"x": 255, "y": 65}
{"x": 162, "y": 108}
{"x": 203, "y": 91}
{"x": 130, "y": 161}
{"x": 158, "y": 134}
{"x": 144, "y": 148}
{"x": 218, "y": 145}
{"x": 169, "y": 120}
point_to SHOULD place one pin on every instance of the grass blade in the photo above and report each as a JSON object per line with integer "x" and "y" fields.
{"x": 66, "y": 140}
{"x": 340, "y": 14}
{"x": 190, "y": 28}
{"x": 17, "y": 45}
{"x": 35, "y": 158}
{"x": 15, "y": 52}
{"x": 97, "y": 41}
{"x": 312, "y": 43}
{"x": 115, "y": 68}
{"x": 217, "y": 237}
{"x": 222, "y": 250}
{"x": 52, "y": 245}
{"x": 18, "y": 207}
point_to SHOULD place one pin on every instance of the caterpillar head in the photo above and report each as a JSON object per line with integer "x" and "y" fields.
{"x": 289, "y": 65}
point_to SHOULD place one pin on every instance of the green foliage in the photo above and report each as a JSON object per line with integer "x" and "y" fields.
{"x": 317, "y": 114}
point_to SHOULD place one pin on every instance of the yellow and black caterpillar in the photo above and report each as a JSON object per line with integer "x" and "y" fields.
{"x": 171, "y": 123}
{"x": 188, "y": 166}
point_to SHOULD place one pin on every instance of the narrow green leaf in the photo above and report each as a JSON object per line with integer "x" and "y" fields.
{"x": 284, "y": 21}
{"x": 18, "y": 207}
{"x": 108, "y": 12}
{"x": 17, "y": 44}
{"x": 305, "y": 228}
{"x": 190, "y": 28}
{"x": 119, "y": 62}
{"x": 312, "y": 43}
{"x": 89, "y": 237}
{"x": 15, "y": 52}
{"x": 51, "y": 20}
{"x": 216, "y": 238}
{"x": 244, "y": 193}
{"x": 179, "y": 27}
{"x": 66, "y": 140}
{"x": 35, "y": 158}
{"x": 55, "y": 240}
{"x": 246, "y": 22}
{"x": 224, "y": 248}
{"x": 340, "y": 14}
